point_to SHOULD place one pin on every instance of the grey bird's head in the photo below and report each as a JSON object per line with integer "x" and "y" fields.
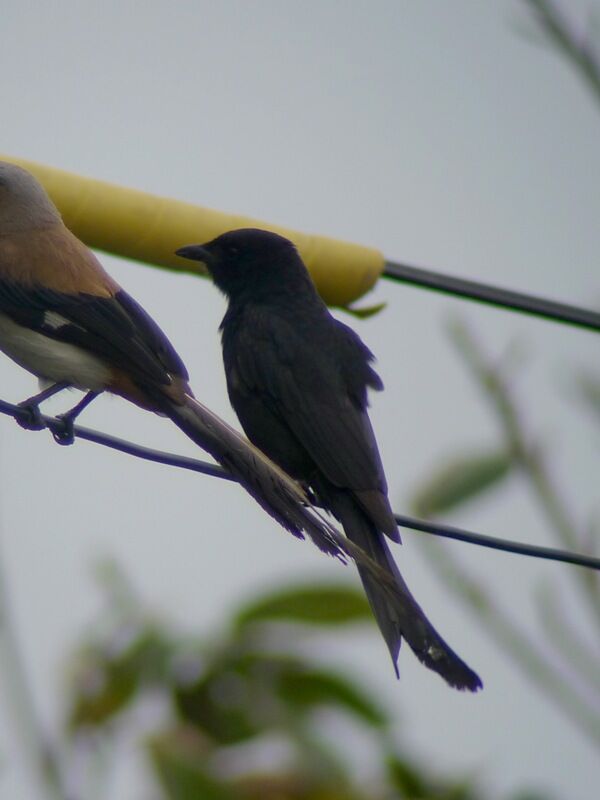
{"x": 24, "y": 203}
{"x": 249, "y": 259}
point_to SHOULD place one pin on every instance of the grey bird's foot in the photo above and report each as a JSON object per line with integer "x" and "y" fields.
{"x": 30, "y": 417}
{"x": 64, "y": 432}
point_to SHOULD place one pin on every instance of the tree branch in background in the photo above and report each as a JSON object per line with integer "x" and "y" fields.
{"x": 572, "y": 685}
{"x": 531, "y": 659}
{"x": 564, "y": 638}
{"x": 26, "y": 727}
{"x": 559, "y": 30}
{"x": 530, "y": 458}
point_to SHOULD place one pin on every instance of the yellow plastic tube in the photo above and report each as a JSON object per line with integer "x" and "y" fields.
{"x": 148, "y": 228}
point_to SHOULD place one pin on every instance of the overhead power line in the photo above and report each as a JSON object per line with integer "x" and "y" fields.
{"x": 493, "y": 542}
{"x": 56, "y": 427}
{"x": 494, "y": 295}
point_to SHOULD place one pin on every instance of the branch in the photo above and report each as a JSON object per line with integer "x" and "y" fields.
{"x": 532, "y": 662}
{"x": 26, "y": 725}
{"x": 530, "y": 458}
{"x": 554, "y": 23}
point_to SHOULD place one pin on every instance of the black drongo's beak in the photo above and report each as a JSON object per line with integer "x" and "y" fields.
{"x": 195, "y": 252}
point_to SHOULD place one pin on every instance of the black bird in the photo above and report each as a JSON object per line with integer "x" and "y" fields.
{"x": 298, "y": 379}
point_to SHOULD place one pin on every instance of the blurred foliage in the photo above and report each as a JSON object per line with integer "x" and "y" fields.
{"x": 247, "y": 696}
{"x": 589, "y": 387}
{"x": 332, "y": 605}
{"x": 409, "y": 782}
{"x": 461, "y": 478}
{"x": 570, "y": 676}
{"x": 577, "y": 47}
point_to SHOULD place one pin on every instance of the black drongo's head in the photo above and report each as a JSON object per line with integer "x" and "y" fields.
{"x": 249, "y": 260}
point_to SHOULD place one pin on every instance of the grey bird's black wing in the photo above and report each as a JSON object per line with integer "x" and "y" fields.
{"x": 116, "y": 328}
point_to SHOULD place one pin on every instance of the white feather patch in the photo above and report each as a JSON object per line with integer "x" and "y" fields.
{"x": 55, "y": 320}
{"x": 55, "y": 361}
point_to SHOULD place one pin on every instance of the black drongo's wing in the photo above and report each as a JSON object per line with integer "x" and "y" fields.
{"x": 309, "y": 391}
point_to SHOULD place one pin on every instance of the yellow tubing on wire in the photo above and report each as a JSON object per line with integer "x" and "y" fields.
{"x": 148, "y": 228}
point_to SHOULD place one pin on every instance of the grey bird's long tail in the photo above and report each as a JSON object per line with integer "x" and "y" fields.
{"x": 398, "y": 615}
{"x": 277, "y": 493}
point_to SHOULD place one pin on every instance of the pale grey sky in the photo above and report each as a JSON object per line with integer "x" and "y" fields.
{"x": 430, "y": 130}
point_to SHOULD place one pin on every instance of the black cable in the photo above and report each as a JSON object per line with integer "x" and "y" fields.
{"x": 56, "y": 426}
{"x": 520, "y": 548}
{"x": 494, "y": 295}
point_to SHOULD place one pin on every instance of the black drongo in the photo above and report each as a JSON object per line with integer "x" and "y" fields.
{"x": 298, "y": 379}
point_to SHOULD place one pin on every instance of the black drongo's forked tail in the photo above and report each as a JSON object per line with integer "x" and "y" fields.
{"x": 398, "y": 615}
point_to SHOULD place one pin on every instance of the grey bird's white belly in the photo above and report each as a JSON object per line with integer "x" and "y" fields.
{"x": 50, "y": 359}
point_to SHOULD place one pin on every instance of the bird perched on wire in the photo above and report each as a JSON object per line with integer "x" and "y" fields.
{"x": 63, "y": 318}
{"x": 298, "y": 379}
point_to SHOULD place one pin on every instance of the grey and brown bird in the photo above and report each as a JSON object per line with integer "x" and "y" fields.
{"x": 63, "y": 318}
{"x": 298, "y": 380}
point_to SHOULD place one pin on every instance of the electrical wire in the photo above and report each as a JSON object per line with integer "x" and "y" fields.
{"x": 494, "y": 295}
{"x": 57, "y": 427}
{"x": 493, "y": 542}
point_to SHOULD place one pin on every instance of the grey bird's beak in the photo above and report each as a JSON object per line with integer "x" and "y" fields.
{"x": 195, "y": 252}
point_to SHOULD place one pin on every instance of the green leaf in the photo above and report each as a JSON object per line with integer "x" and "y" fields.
{"x": 107, "y": 675}
{"x": 365, "y": 311}
{"x": 406, "y": 780}
{"x": 103, "y": 686}
{"x": 292, "y": 786}
{"x": 221, "y": 706}
{"x": 306, "y": 689}
{"x": 414, "y": 783}
{"x": 314, "y": 604}
{"x": 180, "y": 762}
{"x": 529, "y": 795}
{"x": 461, "y": 479}
{"x": 237, "y": 698}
